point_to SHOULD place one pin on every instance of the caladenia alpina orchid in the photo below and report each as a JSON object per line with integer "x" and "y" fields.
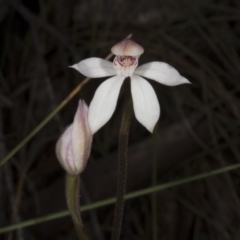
{"x": 125, "y": 64}
{"x": 74, "y": 145}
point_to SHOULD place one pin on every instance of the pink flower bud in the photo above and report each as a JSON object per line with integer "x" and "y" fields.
{"x": 74, "y": 145}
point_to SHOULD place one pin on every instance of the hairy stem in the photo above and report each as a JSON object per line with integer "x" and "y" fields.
{"x": 122, "y": 169}
{"x": 72, "y": 195}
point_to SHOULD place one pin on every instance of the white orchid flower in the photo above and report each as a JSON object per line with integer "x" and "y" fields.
{"x": 145, "y": 102}
{"x": 74, "y": 145}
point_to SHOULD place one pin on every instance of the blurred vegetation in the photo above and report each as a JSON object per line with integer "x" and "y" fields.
{"x": 198, "y": 130}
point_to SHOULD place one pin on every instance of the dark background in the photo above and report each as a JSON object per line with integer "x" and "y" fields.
{"x": 198, "y": 130}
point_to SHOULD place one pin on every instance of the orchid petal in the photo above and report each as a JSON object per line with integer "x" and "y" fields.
{"x": 104, "y": 102}
{"x": 95, "y": 68}
{"x": 127, "y": 47}
{"x": 162, "y": 73}
{"x": 145, "y": 102}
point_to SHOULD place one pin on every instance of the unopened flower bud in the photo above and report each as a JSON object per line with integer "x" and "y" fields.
{"x": 74, "y": 145}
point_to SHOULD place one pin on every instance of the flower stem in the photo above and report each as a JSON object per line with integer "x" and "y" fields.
{"x": 154, "y": 183}
{"x": 122, "y": 169}
{"x": 72, "y": 195}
